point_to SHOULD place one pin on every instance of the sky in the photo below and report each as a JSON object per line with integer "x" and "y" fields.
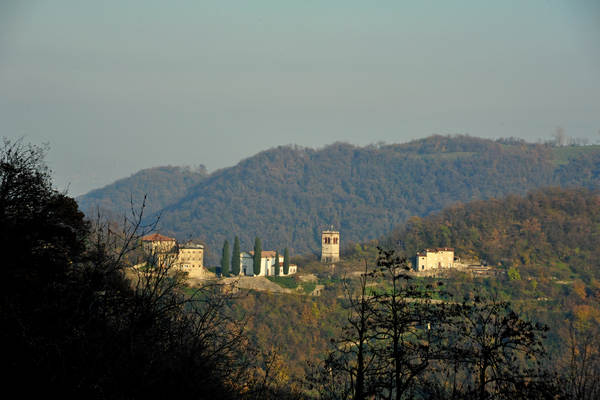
{"x": 117, "y": 86}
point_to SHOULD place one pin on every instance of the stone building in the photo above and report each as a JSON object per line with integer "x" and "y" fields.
{"x": 160, "y": 249}
{"x": 165, "y": 251}
{"x": 191, "y": 255}
{"x": 428, "y": 259}
{"x": 330, "y": 246}
{"x": 158, "y": 244}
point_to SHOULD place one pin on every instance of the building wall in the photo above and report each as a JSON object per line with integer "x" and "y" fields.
{"x": 190, "y": 257}
{"x": 435, "y": 258}
{"x": 330, "y": 246}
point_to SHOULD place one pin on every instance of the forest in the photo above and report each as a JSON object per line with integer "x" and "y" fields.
{"x": 81, "y": 322}
{"x": 365, "y": 192}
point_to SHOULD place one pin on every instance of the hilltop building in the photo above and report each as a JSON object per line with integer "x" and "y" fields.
{"x": 167, "y": 252}
{"x": 330, "y": 246}
{"x": 158, "y": 244}
{"x": 428, "y": 259}
{"x": 191, "y": 255}
{"x": 268, "y": 264}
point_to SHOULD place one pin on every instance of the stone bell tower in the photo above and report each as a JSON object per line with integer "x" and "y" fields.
{"x": 330, "y": 246}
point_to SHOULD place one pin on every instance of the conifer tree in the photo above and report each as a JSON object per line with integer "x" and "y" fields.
{"x": 235, "y": 257}
{"x": 276, "y": 262}
{"x": 286, "y": 261}
{"x": 225, "y": 259}
{"x": 257, "y": 255}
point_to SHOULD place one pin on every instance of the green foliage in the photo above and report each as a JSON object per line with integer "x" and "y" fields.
{"x": 309, "y": 287}
{"x": 284, "y": 281}
{"x": 513, "y": 274}
{"x": 380, "y": 187}
{"x": 257, "y": 255}
{"x": 276, "y": 262}
{"x": 235, "y": 257}
{"x": 286, "y": 261}
{"x": 225, "y": 262}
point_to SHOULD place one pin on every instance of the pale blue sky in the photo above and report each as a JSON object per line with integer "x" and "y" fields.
{"x": 117, "y": 86}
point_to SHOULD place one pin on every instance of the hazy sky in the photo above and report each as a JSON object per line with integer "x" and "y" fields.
{"x": 117, "y": 86}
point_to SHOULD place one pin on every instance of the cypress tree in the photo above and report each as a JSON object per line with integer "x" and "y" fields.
{"x": 276, "y": 263}
{"x": 235, "y": 257}
{"x": 225, "y": 259}
{"x": 257, "y": 255}
{"x": 286, "y": 261}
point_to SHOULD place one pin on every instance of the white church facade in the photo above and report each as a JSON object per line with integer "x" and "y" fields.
{"x": 268, "y": 264}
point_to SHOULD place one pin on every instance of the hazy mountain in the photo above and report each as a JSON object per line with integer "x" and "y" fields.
{"x": 162, "y": 185}
{"x": 286, "y": 195}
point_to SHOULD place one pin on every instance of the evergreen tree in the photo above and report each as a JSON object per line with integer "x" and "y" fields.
{"x": 225, "y": 259}
{"x": 235, "y": 257}
{"x": 257, "y": 255}
{"x": 286, "y": 261}
{"x": 276, "y": 263}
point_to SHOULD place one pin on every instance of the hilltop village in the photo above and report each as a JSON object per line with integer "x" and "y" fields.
{"x": 189, "y": 256}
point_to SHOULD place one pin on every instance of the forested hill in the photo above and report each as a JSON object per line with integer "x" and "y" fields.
{"x": 286, "y": 195}
{"x": 161, "y": 185}
{"x": 552, "y": 231}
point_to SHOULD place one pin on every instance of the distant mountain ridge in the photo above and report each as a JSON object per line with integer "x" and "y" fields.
{"x": 161, "y": 185}
{"x": 286, "y": 195}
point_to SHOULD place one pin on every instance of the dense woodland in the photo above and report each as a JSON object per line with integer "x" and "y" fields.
{"x": 551, "y": 232}
{"x": 286, "y": 195}
{"x": 82, "y": 322}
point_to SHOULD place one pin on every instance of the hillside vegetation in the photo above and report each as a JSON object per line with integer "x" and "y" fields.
{"x": 286, "y": 195}
{"x": 549, "y": 238}
{"x": 552, "y": 231}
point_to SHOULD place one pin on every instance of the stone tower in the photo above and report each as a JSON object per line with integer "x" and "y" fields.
{"x": 330, "y": 246}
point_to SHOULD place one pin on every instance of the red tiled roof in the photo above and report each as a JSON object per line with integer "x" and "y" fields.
{"x": 157, "y": 237}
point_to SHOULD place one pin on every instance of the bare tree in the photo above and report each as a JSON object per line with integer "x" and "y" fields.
{"x": 580, "y": 368}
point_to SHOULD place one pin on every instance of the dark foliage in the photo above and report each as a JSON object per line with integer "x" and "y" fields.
{"x": 235, "y": 257}
{"x": 225, "y": 259}
{"x": 399, "y": 343}
{"x": 75, "y": 325}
